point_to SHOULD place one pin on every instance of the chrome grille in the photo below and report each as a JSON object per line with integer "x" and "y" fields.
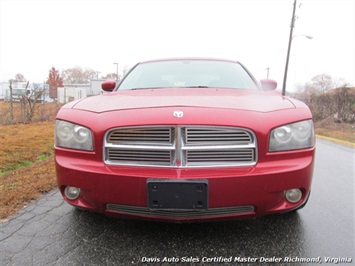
{"x": 216, "y": 135}
{"x": 140, "y": 156}
{"x": 141, "y": 135}
{"x": 143, "y": 211}
{"x": 180, "y": 146}
{"x": 235, "y": 155}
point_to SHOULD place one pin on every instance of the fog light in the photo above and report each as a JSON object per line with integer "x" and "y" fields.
{"x": 72, "y": 193}
{"x": 293, "y": 195}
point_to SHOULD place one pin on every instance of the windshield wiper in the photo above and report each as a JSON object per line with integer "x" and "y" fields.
{"x": 195, "y": 87}
{"x": 149, "y": 88}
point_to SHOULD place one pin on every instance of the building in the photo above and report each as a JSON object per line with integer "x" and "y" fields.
{"x": 95, "y": 87}
{"x": 18, "y": 89}
{"x": 3, "y": 85}
{"x": 66, "y": 94}
{"x": 72, "y": 92}
{"x": 21, "y": 88}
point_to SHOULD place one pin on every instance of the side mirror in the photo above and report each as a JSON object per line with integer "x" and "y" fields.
{"x": 268, "y": 84}
{"x": 108, "y": 85}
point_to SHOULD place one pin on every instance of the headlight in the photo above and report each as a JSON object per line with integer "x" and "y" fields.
{"x": 294, "y": 136}
{"x": 72, "y": 136}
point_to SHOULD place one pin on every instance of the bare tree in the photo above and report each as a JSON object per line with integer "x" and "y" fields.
{"x": 29, "y": 102}
{"x": 11, "y": 106}
{"x": 77, "y": 75}
{"x": 20, "y": 78}
{"x": 321, "y": 83}
{"x": 112, "y": 76}
{"x": 340, "y": 83}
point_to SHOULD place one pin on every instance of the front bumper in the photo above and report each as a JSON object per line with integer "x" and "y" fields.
{"x": 233, "y": 192}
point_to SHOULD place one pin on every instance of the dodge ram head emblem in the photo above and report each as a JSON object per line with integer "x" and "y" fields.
{"x": 178, "y": 114}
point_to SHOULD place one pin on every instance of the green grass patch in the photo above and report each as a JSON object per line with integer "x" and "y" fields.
{"x": 8, "y": 187}
{"x": 22, "y": 164}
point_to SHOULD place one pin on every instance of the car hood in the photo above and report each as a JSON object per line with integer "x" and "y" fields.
{"x": 258, "y": 101}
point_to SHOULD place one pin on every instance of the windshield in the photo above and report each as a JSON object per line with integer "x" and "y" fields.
{"x": 188, "y": 74}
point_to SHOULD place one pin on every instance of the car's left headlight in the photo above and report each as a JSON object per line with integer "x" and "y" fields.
{"x": 294, "y": 136}
{"x": 73, "y": 136}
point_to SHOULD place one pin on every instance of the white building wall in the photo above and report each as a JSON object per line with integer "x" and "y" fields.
{"x": 2, "y": 90}
{"x": 95, "y": 87}
{"x": 68, "y": 94}
{"x": 18, "y": 88}
{"x": 75, "y": 90}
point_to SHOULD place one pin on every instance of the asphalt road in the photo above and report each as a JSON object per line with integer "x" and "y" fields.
{"x": 50, "y": 232}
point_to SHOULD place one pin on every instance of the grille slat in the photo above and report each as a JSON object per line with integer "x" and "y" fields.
{"x": 141, "y": 135}
{"x": 180, "y": 146}
{"x": 136, "y": 210}
{"x": 156, "y": 156}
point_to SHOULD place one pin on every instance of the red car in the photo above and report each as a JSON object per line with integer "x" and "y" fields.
{"x": 186, "y": 140}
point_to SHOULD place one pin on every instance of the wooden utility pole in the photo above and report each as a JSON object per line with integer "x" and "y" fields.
{"x": 267, "y": 72}
{"x": 289, "y": 48}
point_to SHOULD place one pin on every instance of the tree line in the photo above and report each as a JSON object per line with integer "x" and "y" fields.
{"x": 328, "y": 97}
{"x": 74, "y": 75}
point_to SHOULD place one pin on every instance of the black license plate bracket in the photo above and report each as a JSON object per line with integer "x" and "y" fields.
{"x": 166, "y": 194}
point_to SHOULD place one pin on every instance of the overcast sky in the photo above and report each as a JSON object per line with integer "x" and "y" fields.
{"x": 38, "y": 34}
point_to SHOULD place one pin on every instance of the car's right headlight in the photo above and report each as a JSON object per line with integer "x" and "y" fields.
{"x": 293, "y": 136}
{"x": 73, "y": 136}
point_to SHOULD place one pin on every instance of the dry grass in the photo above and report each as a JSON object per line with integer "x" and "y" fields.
{"x": 43, "y": 112}
{"x": 341, "y": 131}
{"x": 24, "y": 144}
{"x": 26, "y": 164}
{"x": 21, "y": 186}
{"x": 338, "y": 134}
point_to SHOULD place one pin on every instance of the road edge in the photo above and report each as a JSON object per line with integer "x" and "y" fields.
{"x": 338, "y": 141}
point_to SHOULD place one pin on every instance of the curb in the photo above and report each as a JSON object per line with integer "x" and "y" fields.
{"x": 338, "y": 141}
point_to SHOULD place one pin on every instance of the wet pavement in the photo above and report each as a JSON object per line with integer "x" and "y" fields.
{"x": 51, "y": 232}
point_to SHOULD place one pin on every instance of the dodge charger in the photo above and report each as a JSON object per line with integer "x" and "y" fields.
{"x": 186, "y": 140}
